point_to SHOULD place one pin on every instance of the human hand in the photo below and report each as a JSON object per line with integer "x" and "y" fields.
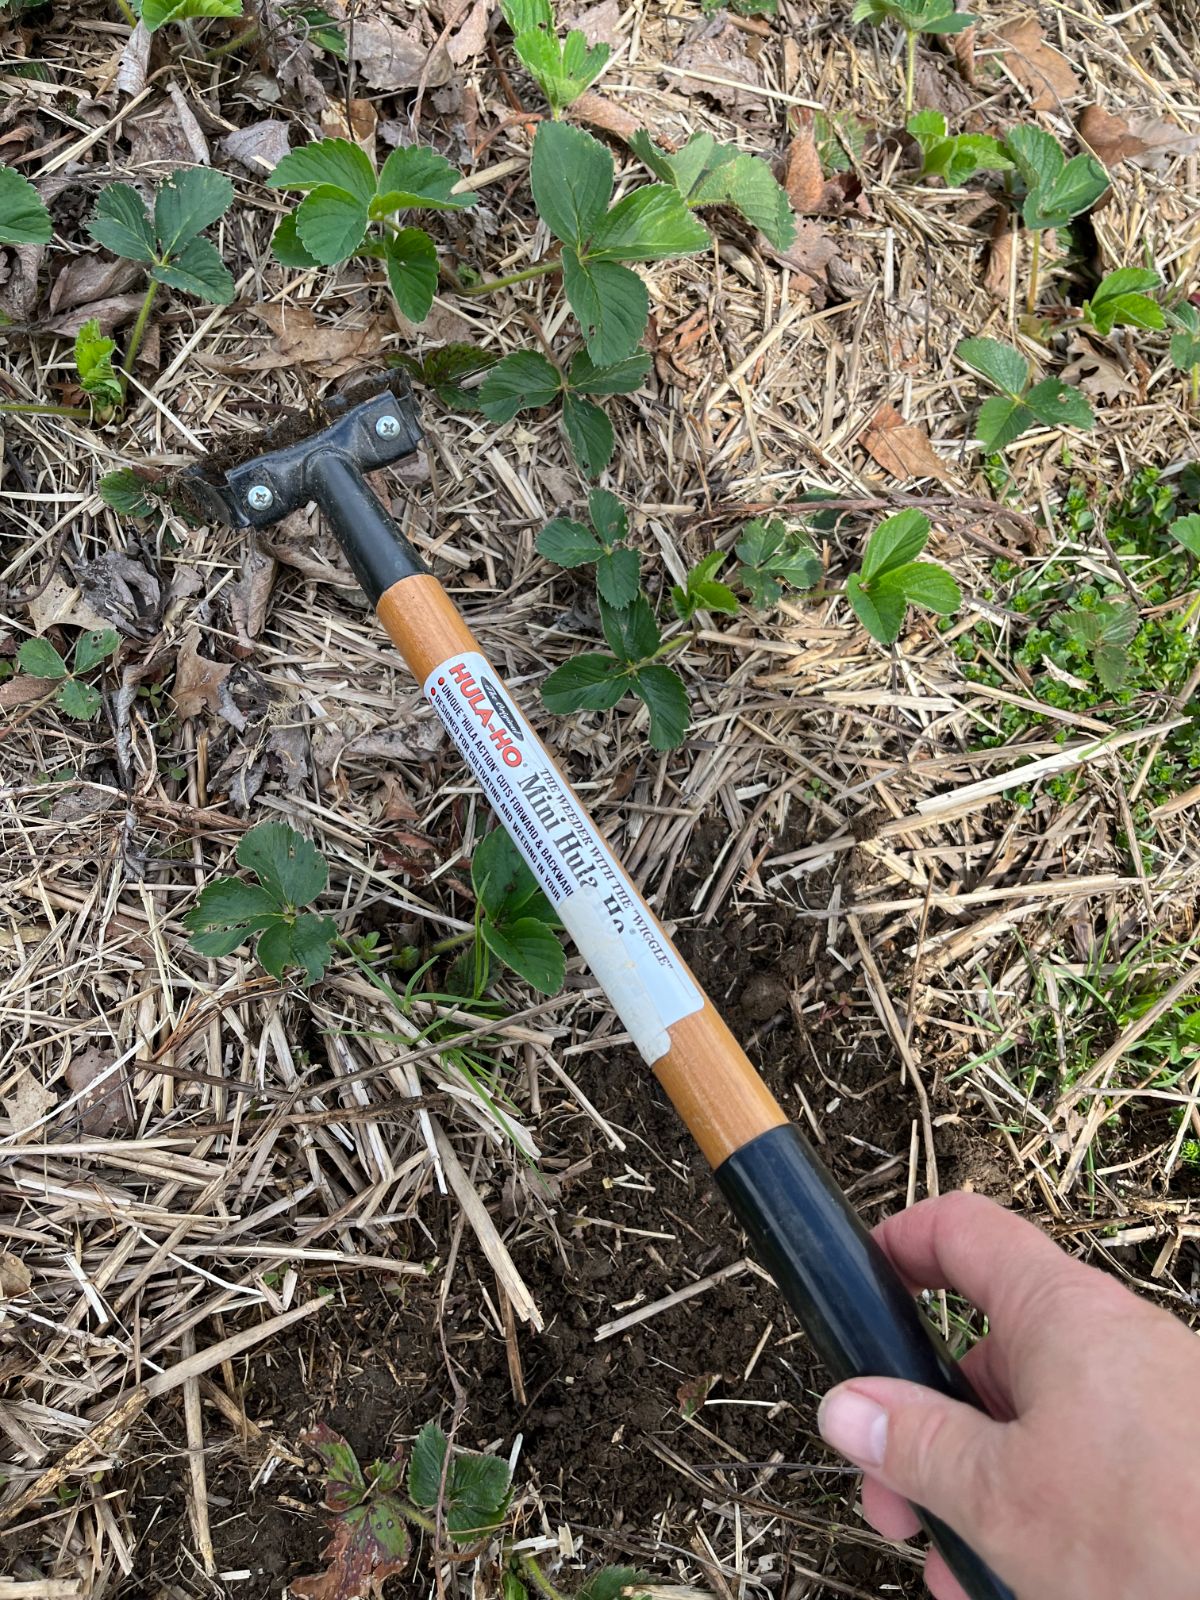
{"x": 1084, "y": 1482}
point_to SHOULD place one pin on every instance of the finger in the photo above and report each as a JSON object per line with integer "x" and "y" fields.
{"x": 987, "y": 1368}
{"x": 887, "y": 1512}
{"x": 940, "y": 1581}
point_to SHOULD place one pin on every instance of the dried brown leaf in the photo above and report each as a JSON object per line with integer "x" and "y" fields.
{"x": 90, "y": 278}
{"x": 251, "y": 595}
{"x": 390, "y": 57}
{"x": 301, "y": 341}
{"x": 715, "y": 64}
{"x": 599, "y": 23}
{"x": 601, "y": 112}
{"x": 1096, "y": 373}
{"x": 61, "y": 601}
{"x": 28, "y": 1103}
{"x": 997, "y": 275}
{"x": 199, "y": 682}
{"x": 103, "y": 1105}
{"x": 23, "y": 690}
{"x": 803, "y": 178}
{"x": 259, "y": 146}
{"x": 1038, "y": 67}
{"x": 15, "y": 1276}
{"x": 111, "y": 313}
{"x": 135, "y": 60}
{"x": 124, "y": 592}
{"x": 364, "y": 120}
{"x": 962, "y": 48}
{"x": 471, "y": 35}
{"x": 902, "y": 448}
{"x": 1110, "y": 138}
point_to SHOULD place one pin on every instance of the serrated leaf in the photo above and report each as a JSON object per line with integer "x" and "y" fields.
{"x": 999, "y": 363}
{"x": 286, "y": 245}
{"x": 411, "y": 259}
{"x": 665, "y": 165}
{"x": 274, "y": 948}
{"x": 1073, "y": 190}
{"x": 588, "y": 682}
{"x": 228, "y": 907}
{"x": 1186, "y": 531}
{"x": 881, "y": 612}
{"x": 125, "y": 492}
{"x": 504, "y": 883}
{"x": 610, "y": 1583}
{"x": 23, "y": 217}
{"x": 1001, "y": 420}
{"x": 79, "y": 700}
{"x": 93, "y": 647}
{"x": 191, "y": 199}
{"x": 611, "y": 303}
{"x": 927, "y": 127}
{"x": 121, "y": 224}
{"x": 647, "y": 225}
{"x": 761, "y": 538}
{"x": 331, "y": 224}
{"x": 623, "y": 377}
{"x": 425, "y": 1466}
{"x": 897, "y": 541}
{"x": 285, "y": 863}
{"x": 1037, "y": 154}
{"x": 157, "y": 12}
{"x": 40, "y": 659}
{"x": 571, "y": 175}
{"x": 476, "y": 1486}
{"x": 630, "y": 631}
{"x": 1185, "y": 351}
{"x": 1059, "y": 405}
{"x": 1112, "y": 665}
{"x": 590, "y": 433}
{"x": 563, "y": 71}
{"x": 925, "y": 583}
{"x": 617, "y": 575}
{"x": 415, "y": 177}
{"x": 1125, "y": 311}
{"x": 523, "y": 14}
{"x": 522, "y": 381}
{"x": 328, "y": 163}
{"x": 199, "y": 270}
{"x": 312, "y": 942}
{"x": 608, "y": 516}
{"x": 531, "y": 950}
{"x": 443, "y": 370}
{"x": 662, "y": 690}
{"x": 568, "y": 543}
{"x": 762, "y": 590}
{"x": 93, "y": 362}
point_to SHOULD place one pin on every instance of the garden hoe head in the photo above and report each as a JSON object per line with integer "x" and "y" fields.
{"x": 857, "y": 1313}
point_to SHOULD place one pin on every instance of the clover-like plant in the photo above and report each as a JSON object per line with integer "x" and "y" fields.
{"x": 1120, "y": 300}
{"x": 710, "y": 174}
{"x": 572, "y": 544}
{"x": 1021, "y": 403}
{"x": 350, "y": 210}
{"x": 527, "y": 381}
{"x": 1185, "y": 343}
{"x": 1103, "y": 634}
{"x": 1056, "y": 190}
{"x": 78, "y": 699}
{"x": 562, "y": 68}
{"x": 891, "y": 578}
{"x": 596, "y": 682}
{"x": 23, "y": 216}
{"x": 915, "y": 17}
{"x": 954, "y": 157}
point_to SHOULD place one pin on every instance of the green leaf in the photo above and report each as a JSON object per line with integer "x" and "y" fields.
{"x": 1185, "y": 351}
{"x": 345, "y": 1486}
{"x": 1118, "y": 301}
{"x": 313, "y": 939}
{"x": 425, "y": 1466}
{"x": 568, "y": 543}
{"x": 511, "y": 1587}
{"x": 585, "y": 683}
{"x": 761, "y": 538}
{"x": 331, "y": 224}
{"x": 1184, "y": 530}
{"x": 610, "y": 1583}
{"x": 925, "y": 583}
{"x": 412, "y": 270}
{"x": 23, "y": 217}
{"x": 523, "y": 381}
{"x": 191, "y": 199}
{"x": 750, "y": 186}
{"x": 285, "y": 863}
{"x": 666, "y": 699}
{"x": 668, "y": 167}
{"x": 413, "y": 177}
{"x": 521, "y": 15}
{"x": 590, "y": 433}
{"x": 1059, "y": 405}
{"x": 881, "y": 612}
{"x": 702, "y": 591}
{"x": 647, "y": 225}
{"x": 476, "y": 1486}
{"x": 927, "y": 127}
{"x": 227, "y": 906}
{"x": 563, "y": 71}
{"x": 199, "y": 270}
{"x": 156, "y": 12}
{"x": 93, "y": 647}
{"x": 503, "y": 882}
{"x": 443, "y": 370}
{"x": 608, "y": 517}
{"x": 286, "y": 246}
{"x": 93, "y": 362}
{"x": 1056, "y": 196}
{"x": 611, "y": 302}
{"x": 79, "y": 700}
{"x": 571, "y": 175}
{"x": 617, "y": 575}
{"x": 40, "y": 659}
{"x": 1112, "y": 666}
{"x": 121, "y": 224}
{"x": 530, "y": 949}
{"x": 623, "y": 377}
{"x": 274, "y": 948}
{"x": 327, "y": 163}
{"x": 1001, "y": 420}
{"x": 631, "y": 631}
{"x": 894, "y": 543}
{"x": 125, "y": 492}
{"x": 999, "y": 363}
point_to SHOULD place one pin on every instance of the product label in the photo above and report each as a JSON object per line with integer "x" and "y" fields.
{"x": 639, "y": 971}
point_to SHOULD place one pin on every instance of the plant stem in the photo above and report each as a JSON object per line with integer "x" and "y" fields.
{"x": 540, "y": 271}
{"x": 1035, "y": 256}
{"x": 127, "y": 12}
{"x": 31, "y": 410}
{"x": 228, "y": 46}
{"x": 451, "y": 943}
{"x": 910, "y": 67}
{"x": 138, "y": 334}
{"x": 540, "y": 1581}
{"x": 1195, "y": 384}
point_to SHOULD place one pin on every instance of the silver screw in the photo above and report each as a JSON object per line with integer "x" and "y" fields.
{"x": 388, "y": 427}
{"x": 259, "y": 497}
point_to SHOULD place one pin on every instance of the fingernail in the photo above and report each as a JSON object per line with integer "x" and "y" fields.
{"x": 855, "y": 1426}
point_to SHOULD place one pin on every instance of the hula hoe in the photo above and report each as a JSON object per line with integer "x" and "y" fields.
{"x": 854, "y": 1308}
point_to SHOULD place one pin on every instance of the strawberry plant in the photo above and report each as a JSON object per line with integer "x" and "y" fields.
{"x": 93, "y": 363}
{"x": 1103, "y": 632}
{"x": 1021, "y": 403}
{"x": 154, "y": 13}
{"x": 528, "y": 381}
{"x": 514, "y": 922}
{"x": 914, "y": 17}
{"x": 702, "y": 590}
{"x": 743, "y": 8}
{"x": 710, "y": 174}
{"x": 78, "y": 699}
{"x": 349, "y": 210}
{"x": 891, "y": 578}
{"x": 1056, "y": 190}
{"x": 954, "y": 157}
{"x": 1185, "y": 344}
{"x": 572, "y": 544}
{"x": 595, "y": 681}
{"x": 562, "y": 69}
{"x": 23, "y": 217}
{"x": 1186, "y": 531}
{"x": 773, "y": 554}
{"x": 1120, "y": 301}
{"x": 445, "y": 371}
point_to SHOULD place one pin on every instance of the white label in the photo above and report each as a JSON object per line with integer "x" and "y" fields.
{"x": 639, "y": 971}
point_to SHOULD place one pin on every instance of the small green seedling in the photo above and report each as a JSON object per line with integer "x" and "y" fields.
{"x": 1104, "y": 633}
{"x": 915, "y": 17}
{"x": 126, "y": 493}
{"x": 527, "y": 381}
{"x": 291, "y": 873}
{"x": 571, "y": 544}
{"x": 23, "y": 217}
{"x": 891, "y": 578}
{"x": 596, "y": 682}
{"x": 190, "y": 200}
{"x": 1120, "y": 301}
{"x": 349, "y": 210}
{"x": 562, "y": 68}
{"x": 710, "y": 174}
{"x": 445, "y": 371}
{"x": 571, "y": 175}
{"x": 742, "y": 8}
{"x": 954, "y": 157}
{"x": 702, "y": 590}
{"x": 154, "y": 13}
{"x": 773, "y": 554}
{"x": 1185, "y": 343}
{"x": 1186, "y": 531}
{"x": 40, "y": 659}
{"x": 513, "y": 920}
{"x": 1056, "y": 190}
{"x": 1021, "y": 403}
{"x": 93, "y": 363}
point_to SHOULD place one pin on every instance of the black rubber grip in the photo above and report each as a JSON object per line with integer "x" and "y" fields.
{"x": 860, "y": 1318}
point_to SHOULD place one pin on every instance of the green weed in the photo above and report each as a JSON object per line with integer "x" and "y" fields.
{"x": 914, "y": 17}
{"x": 78, "y": 699}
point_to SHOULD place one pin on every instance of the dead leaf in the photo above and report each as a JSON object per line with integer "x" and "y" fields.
{"x": 23, "y": 690}
{"x": 104, "y": 1104}
{"x": 259, "y": 146}
{"x": 167, "y": 135}
{"x": 251, "y": 595}
{"x": 599, "y": 23}
{"x": 1096, "y": 373}
{"x": 601, "y": 112}
{"x": 471, "y": 36}
{"x": 135, "y": 59}
{"x": 389, "y": 57}
{"x": 714, "y": 63}
{"x": 364, "y": 119}
{"x": 1109, "y": 138}
{"x": 199, "y": 682}
{"x": 111, "y": 314}
{"x": 810, "y": 254}
{"x": 803, "y": 178}
{"x": 962, "y": 48}
{"x": 301, "y": 341}
{"x": 997, "y": 275}
{"x": 28, "y": 1102}
{"x": 61, "y": 601}
{"x": 18, "y": 292}
{"x": 1040, "y": 69}
{"x": 15, "y": 1276}
{"x": 288, "y": 757}
{"x": 902, "y": 448}
{"x": 92, "y": 277}
{"x": 123, "y": 592}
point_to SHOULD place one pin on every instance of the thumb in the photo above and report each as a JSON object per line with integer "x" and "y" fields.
{"x": 939, "y": 1454}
